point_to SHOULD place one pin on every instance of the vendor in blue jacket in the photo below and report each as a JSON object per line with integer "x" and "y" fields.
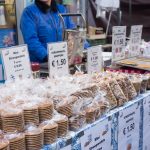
{"x": 40, "y": 24}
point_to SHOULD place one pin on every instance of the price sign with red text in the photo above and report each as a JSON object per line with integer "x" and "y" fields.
{"x": 118, "y": 42}
{"x": 129, "y": 128}
{"x": 135, "y": 40}
{"x": 95, "y": 59}
{"x": 58, "y": 59}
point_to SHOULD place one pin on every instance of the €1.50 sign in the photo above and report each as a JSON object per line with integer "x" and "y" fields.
{"x": 58, "y": 59}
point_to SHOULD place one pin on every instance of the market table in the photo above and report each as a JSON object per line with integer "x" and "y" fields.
{"x": 123, "y": 128}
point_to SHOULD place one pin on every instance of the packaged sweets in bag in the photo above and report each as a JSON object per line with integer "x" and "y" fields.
{"x": 65, "y": 106}
{"x": 118, "y": 93}
{"x": 16, "y": 141}
{"x": 50, "y": 129}
{"x": 104, "y": 86}
{"x": 31, "y": 113}
{"x": 33, "y": 138}
{"x": 45, "y": 110}
{"x": 103, "y": 102}
{"x": 148, "y": 84}
{"x": 12, "y": 120}
{"x": 122, "y": 84}
{"x": 76, "y": 122}
{"x": 131, "y": 90}
{"x": 144, "y": 84}
{"x": 62, "y": 122}
{"x": 136, "y": 83}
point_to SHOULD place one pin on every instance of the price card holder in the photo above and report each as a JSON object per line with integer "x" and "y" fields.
{"x": 98, "y": 136}
{"x": 146, "y": 123}
{"x": 95, "y": 59}
{"x": 58, "y": 59}
{"x": 118, "y": 43}
{"x": 16, "y": 62}
{"x": 135, "y": 40}
{"x": 129, "y": 128}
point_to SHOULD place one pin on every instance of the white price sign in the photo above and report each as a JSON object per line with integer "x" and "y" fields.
{"x": 118, "y": 42}
{"x": 58, "y": 59}
{"x": 128, "y": 128}
{"x": 97, "y": 137}
{"x": 95, "y": 59}
{"x": 135, "y": 40}
{"x": 146, "y": 123}
{"x": 16, "y": 62}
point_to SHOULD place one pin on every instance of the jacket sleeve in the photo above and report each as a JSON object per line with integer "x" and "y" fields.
{"x": 30, "y": 35}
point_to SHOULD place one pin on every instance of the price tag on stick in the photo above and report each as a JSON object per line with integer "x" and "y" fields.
{"x": 135, "y": 41}
{"x": 16, "y": 62}
{"x": 118, "y": 43}
{"x": 58, "y": 59}
{"x": 95, "y": 59}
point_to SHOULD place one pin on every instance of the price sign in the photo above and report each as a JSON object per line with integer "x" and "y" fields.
{"x": 95, "y": 59}
{"x": 16, "y": 62}
{"x": 58, "y": 59}
{"x": 129, "y": 128}
{"x": 146, "y": 123}
{"x": 97, "y": 137}
{"x": 118, "y": 42}
{"x": 135, "y": 40}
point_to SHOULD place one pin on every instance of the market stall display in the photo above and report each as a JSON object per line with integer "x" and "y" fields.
{"x": 47, "y": 108}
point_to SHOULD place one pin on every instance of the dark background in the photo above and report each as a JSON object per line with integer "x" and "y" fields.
{"x": 138, "y": 13}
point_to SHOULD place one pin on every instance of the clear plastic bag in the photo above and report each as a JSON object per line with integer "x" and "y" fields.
{"x": 33, "y": 137}
{"x": 131, "y": 90}
{"x": 50, "y": 129}
{"x": 62, "y": 122}
{"x": 118, "y": 93}
{"x": 16, "y": 141}
{"x": 12, "y": 120}
{"x": 104, "y": 86}
{"x": 4, "y": 144}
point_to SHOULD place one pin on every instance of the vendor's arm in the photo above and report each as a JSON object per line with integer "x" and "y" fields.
{"x": 29, "y": 31}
